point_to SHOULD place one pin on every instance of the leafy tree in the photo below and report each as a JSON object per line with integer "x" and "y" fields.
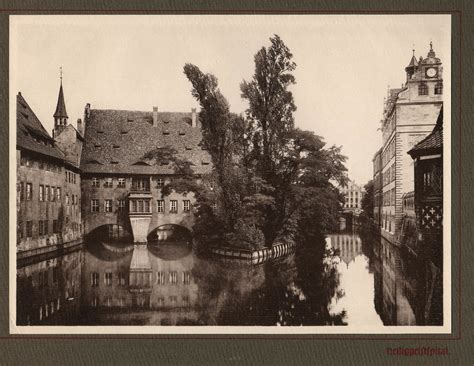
{"x": 368, "y": 199}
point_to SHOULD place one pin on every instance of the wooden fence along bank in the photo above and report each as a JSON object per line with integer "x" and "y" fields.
{"x": 255, "y": 256}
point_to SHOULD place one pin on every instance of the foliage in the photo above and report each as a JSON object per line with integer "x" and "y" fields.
{"x": 368, "y": 199}
{"x": 271, "y": 181}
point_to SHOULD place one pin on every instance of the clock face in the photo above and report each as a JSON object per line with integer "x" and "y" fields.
{"x": 431, "y": 72}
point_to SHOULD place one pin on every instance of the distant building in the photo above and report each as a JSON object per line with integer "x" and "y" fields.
{"x": 48, "y": 183}
{"x": 410, "y": 114}
{"x": 377, "y": 163}
{"x": 353, "y": 196}
{"x": 126, "y": 161}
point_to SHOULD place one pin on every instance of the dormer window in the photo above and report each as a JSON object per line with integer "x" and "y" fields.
{"x": 116, "y": 146}
{"x": 114, "y": 162}
{"x": 124, "y": 132}
{"x": 422, "y": 89}
{"x": 98, "y": 146}
{"x": 438, "y": 88}
{"x": 100, "y": 131}
{"x": 129, "y": 119}
{"x": 166, "y": 132}
{"x": 189, "y": 148}
{"x": 182, "y": 133}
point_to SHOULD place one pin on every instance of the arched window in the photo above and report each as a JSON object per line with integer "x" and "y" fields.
{"x": 422, "y": 89}
{"x": 438, "y": 88}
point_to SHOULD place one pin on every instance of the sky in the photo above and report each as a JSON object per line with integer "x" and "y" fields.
{"x": 345, "y": 64}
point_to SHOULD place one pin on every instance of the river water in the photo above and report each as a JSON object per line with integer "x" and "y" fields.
{"x": 357, "y": 279}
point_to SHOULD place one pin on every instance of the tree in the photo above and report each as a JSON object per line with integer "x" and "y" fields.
{"x": 272, "y": 180}
{"x": 368, "y": 199}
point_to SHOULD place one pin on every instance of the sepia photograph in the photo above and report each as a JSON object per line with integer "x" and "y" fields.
{"x": 248, "y": 174}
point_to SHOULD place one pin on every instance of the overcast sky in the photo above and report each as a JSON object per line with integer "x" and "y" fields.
{"x": 344, "y": 65}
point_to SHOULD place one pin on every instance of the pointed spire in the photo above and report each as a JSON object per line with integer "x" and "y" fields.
{"x": 413, "y": 61}
{"x": 61, "y": 106}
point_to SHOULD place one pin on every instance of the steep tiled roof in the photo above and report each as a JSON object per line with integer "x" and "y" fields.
{"x": 117, "y": 141}
{"x": 61, "y": 106}
{"x": 433, "y": 143}
{"x": 31, "y": 135}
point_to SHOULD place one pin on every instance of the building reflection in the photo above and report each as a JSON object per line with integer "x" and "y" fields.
{"x": 404, "y": 290}
{"x": 49, "y": 291}
{"x": 126, "y": 287}
{"x": 348, "y": 246}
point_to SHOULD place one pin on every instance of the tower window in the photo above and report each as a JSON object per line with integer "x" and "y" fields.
{"x": 438, "y": 88}
{"x": 422, "y": 89}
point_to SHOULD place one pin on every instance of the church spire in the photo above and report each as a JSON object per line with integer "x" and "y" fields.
{"x": 60, "y": 115}
{"x": 412, "y": 66}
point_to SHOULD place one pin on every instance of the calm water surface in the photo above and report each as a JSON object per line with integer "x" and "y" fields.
{"x": 357, "y": 279}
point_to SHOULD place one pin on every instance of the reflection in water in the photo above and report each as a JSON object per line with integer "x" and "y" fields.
{"x": 352, "y": 279}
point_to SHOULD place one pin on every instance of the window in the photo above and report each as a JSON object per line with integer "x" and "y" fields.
{"x": 422, "y": 89}
{"x": 133, "y": 206}
{"x": 173, "y": 206}
{"x": 53, "y": 193}
{"x": 146, "y": 206}
{"x": 122, "y": 279}
{"x": 58, "y": 194}
{"x": 186, "y": 278}
{"x": 173, "y": 277}
{"x": 95, "y": 182}
{"x": 55, "y": 227}
{"x": 160, "y": 182}
{"x": 94, "y": 279}
{"x": 121, "y": 205}
{"x": 186, "y": 205}
{"x": 141, "y": 184}
{"x": 74, "y": 178}
{"x": 46, "y": 193}
{"x": 108, "y": 183}
{"x": 40, "y": 228}
{"x": 108, "y": 278}
{"x": 67, "y": 176}
{"x": 108, "y": 206}
{"x": 185, "y": 301}
{"x": 22, "y": 191}
{"x": 41, "y": 192}
{"x": 29, "y": 191}
{"x": 160, "y": 278}
{"x": 173, "y": 300}
{"x": 161, "y": 301}
{"x": 438, "y": 88}
{"x": 29, "y": 229}
{"x": 95, "y": 205}
{"x": 160, "y": 205}
{"x": 121, "y": 183}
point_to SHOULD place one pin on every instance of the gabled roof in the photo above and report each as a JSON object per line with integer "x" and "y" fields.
{"x": 61, "y": 106}
{"x": 433, "y": 143}
{"x": 118, "y": 142}
{"x": 30, "y": 133}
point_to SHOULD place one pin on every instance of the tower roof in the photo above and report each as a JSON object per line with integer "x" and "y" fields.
{"x": 431, "y": 57}
{"x": 61, "y": 106}
{"x": 413, "y": 61}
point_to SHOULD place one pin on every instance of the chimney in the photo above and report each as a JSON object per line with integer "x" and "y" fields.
{"x": 193, "y": 117}
{"x": 87, "y": 111}
{"x": 155, "y": 116}
{"x": 79, "y": 126}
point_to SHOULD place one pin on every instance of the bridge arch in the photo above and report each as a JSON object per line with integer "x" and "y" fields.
{"x": 170, "y": 233}
{"x": 111, "y": 233}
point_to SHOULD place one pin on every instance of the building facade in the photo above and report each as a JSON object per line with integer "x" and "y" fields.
{"x": 428, "y": 194}
{"x": 377, "y": 163}
{"x": 353, "y": 196}
{"x": 128, "y": 158}
{"x": 48, "y": 185}
{"x": 409, "y": 115}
